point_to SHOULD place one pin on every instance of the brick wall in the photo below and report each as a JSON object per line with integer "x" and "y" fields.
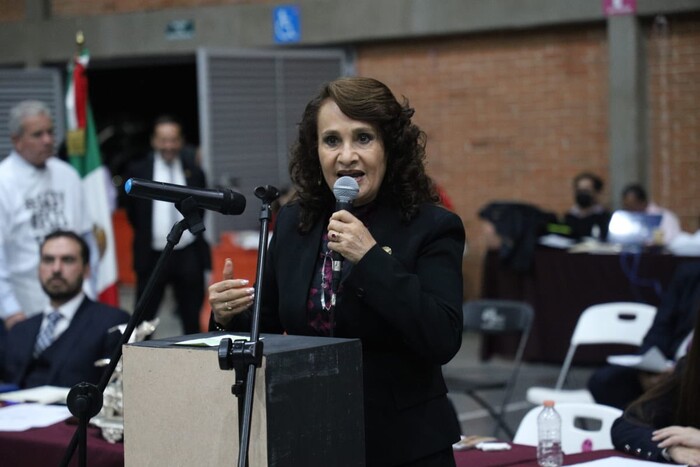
{"x": 11, "y": 10}
{"x": 674, "y": 100}
{"x": 515, "y": 115}
{"x": 508, "y": 117}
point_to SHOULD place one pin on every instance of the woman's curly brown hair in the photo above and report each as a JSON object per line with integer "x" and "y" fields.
{"x": 405, "y": 185}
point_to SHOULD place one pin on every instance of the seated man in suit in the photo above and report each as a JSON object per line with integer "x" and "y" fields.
{"x": 59, "y": 347}
{"x": 670, "y": 332}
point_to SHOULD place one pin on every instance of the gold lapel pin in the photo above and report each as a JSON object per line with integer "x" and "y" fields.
{"x": 387, "y": 249}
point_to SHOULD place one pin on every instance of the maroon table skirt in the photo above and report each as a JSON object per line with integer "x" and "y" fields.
{"x": 561, "y": 285}
{"x": 40, "y": 447}
{"x": 523, "y": 456}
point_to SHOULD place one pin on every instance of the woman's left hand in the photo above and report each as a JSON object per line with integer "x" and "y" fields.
{"x": 685, "y": 455}
{"x": 348, "y": 236}
{"x": 677, "y": 436}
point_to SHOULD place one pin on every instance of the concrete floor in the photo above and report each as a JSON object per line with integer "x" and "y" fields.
{"x": 474, "y": 419}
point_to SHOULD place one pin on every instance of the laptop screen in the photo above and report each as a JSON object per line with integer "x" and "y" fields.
{"x": 633, "y": 228}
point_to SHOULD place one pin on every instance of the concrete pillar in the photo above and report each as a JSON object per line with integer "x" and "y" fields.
{"x": 629, "y": 142}
{"x": 35, "y": 11}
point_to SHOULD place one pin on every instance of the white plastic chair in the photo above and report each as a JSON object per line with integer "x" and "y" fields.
{"x": 606, "y": 323}
{"x": 573, "y": 437}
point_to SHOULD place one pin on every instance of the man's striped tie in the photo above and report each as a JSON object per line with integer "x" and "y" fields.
{"x": 45, "y": 337}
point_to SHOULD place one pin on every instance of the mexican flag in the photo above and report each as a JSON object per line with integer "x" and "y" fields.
{"x": 84, "y": 154}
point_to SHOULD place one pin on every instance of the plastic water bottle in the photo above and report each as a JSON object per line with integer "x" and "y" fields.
{"x": 549, "y": 452}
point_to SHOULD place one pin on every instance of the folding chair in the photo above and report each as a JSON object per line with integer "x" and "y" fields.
{"x": 606, "y": 323}
{"x": 493, "y": 317}
{"x": 576, "y": 418}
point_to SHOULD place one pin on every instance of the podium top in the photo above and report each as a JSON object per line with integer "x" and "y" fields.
{"x": 272, "y": 343}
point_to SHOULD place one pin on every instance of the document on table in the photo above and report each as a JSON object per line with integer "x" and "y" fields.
{"x": 40, "y": 394}
{"x": 211, "y": 341}
{"x": 616, "y": 461}
{"x": 21, "y": 417}
{"x": 652, "y": 360}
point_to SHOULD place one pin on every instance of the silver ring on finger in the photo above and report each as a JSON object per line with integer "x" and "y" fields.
{"x": 228, "y": 306}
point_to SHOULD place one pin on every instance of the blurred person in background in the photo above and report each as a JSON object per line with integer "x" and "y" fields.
{"x": 60, "y": 346}
{"x": 39, "y": 193}
{"x": 670, "y": 333}
{"x": 588, "y": 217}
{"x": 635, "y": 199}
{"x": 151, "y": 220}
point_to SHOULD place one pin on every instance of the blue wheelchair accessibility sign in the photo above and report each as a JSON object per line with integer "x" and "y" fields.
{"x": 286, "y": 24}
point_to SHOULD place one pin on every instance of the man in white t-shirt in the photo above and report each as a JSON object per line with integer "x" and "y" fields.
{"x": 38, "y": 194}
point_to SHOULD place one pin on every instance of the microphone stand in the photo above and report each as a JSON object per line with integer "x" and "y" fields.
{"x": 84, "y": 399}
{"x": 245, "y": 356}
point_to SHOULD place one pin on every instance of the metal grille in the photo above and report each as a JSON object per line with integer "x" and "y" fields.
{"x": 40, "y": 84}
{"x": 250, "y": 104}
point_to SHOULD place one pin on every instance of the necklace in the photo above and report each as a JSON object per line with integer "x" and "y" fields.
{"x": 326, "y": 281}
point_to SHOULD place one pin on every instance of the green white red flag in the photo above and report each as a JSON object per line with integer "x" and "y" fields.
{"x": 84, "y": 154}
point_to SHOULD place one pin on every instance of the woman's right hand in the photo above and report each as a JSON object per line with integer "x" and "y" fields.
{"x": 230, "y": 296}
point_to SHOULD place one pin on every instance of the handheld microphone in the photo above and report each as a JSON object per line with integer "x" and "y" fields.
{"x": 345, "y": 190}
{"x": 223, "y": 200}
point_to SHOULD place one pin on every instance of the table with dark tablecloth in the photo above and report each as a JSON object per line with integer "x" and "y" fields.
{"x": 560, "y": 285}
{"x": 41, "y": 447}
{"x": 523, "y": 456}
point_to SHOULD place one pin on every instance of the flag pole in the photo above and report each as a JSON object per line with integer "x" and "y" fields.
{"x": 83, "y": 148}
{"x": 85, "y": 400}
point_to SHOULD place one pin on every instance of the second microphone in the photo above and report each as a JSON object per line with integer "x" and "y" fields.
{"x": 223, "y": 200}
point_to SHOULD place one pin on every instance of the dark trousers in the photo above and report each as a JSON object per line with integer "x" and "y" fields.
{"x": 185, "y": 272}
{"x": 614, "y": 385}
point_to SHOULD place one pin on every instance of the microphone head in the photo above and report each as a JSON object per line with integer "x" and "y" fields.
{"x": 345, "y": 189}
{"x": 233, "y": 203}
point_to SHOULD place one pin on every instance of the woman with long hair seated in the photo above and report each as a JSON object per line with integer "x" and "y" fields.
{"x": 664, "y": 423}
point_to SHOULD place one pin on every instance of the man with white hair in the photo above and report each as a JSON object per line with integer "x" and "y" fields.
{"x": 39, "y": 193}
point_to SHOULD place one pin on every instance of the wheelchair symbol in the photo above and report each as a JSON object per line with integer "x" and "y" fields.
{"x": 286, "y": 24}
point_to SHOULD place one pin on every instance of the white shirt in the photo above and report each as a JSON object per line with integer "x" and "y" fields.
{"x": 670, "y": 226}
{"x": 165, "y": 214}
{"x": 33, "y": 202}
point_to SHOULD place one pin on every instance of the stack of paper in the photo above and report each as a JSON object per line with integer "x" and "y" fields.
{"x": 41, "y": 394}
{"x": 617, "y": 461}
{"x": 652, "y": 361}
{"x": 22, "y": 417}
{"x": 212, "y": 341}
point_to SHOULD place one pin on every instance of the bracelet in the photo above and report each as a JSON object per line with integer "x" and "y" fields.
{"x": 218, "y": 327}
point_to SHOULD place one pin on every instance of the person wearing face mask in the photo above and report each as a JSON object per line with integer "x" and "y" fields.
{"x": 401, "y": 284}
{"x": 588, "y": 217}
